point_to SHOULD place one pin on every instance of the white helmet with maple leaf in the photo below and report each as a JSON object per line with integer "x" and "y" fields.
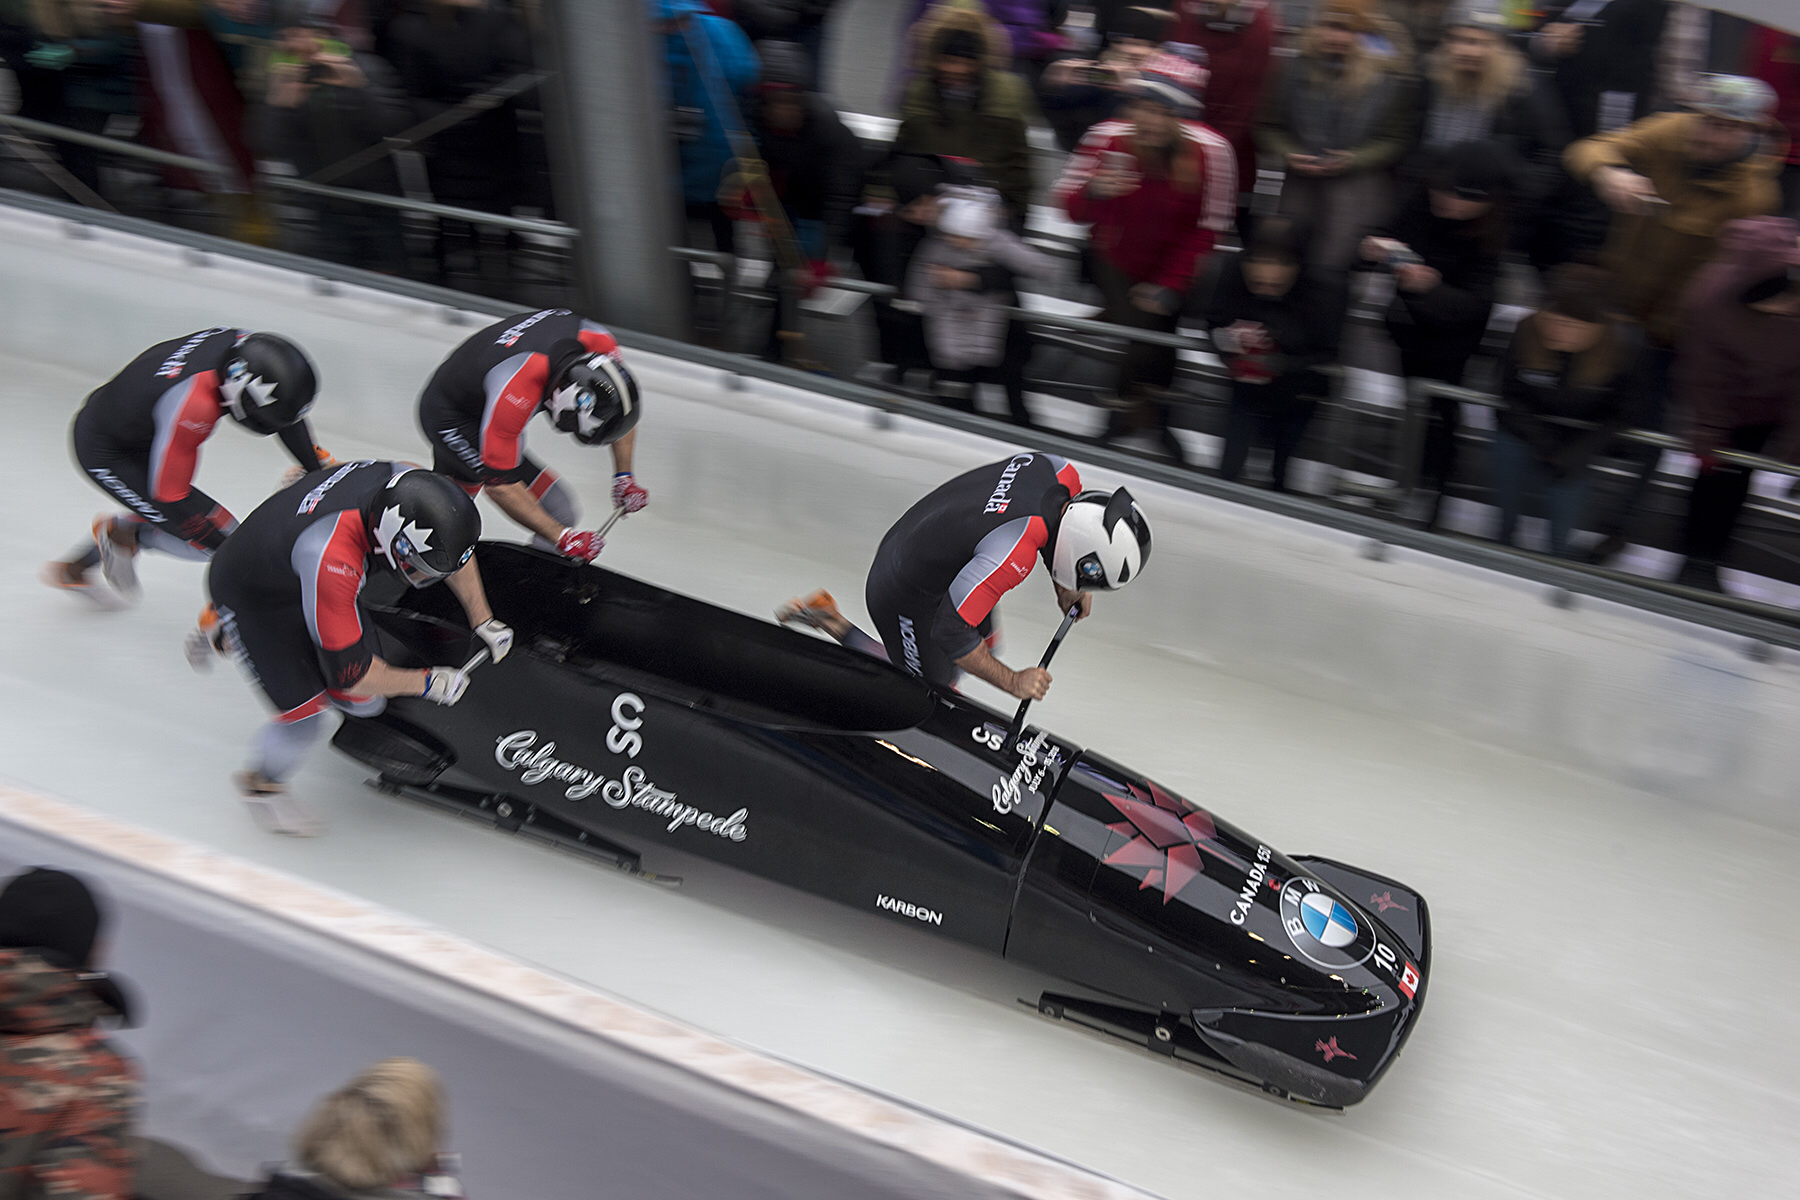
{"x": 268, "y": 383}
{"x": 423, "y": 525}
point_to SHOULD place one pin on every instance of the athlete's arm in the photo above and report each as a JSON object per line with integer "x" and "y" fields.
{"x": 517, "y": 502}
{"x": 298, "y": 440}
{"x": 465, "y": 584}
{"x": 1030, "y": 684}
{"x": 1066, "y": 599}
{"x": 383, "y": 679}
{"x": 621, "y": 452}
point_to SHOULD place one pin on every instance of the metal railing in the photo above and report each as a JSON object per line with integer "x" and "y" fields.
{"x": 1760, "y": 626}
{"x": 1404, "y": 467}
{"x": 286, "y": 183}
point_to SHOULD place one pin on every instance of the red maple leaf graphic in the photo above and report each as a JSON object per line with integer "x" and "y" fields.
{"x": 1167, "y": 835}
{"x": 1332, "y": 1050}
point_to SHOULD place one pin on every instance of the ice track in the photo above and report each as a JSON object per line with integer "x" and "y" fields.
{"x": 1613, "y": 985}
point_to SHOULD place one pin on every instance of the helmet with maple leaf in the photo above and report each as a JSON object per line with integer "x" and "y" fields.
{"x": 268, "y": 383}
{"x": 423, "y": 525}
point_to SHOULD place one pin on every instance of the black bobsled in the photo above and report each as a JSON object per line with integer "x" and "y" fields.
{"x": 629, "y": 717}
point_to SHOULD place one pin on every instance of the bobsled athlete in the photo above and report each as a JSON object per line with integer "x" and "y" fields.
{"x": 943, "y": 567}
{"x": 285, "y": 585}
{"x": 478, "y": 402}
{"x": 138, "y": 438}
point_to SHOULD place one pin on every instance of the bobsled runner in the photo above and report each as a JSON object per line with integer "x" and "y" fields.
{"x": 629, "y": 718}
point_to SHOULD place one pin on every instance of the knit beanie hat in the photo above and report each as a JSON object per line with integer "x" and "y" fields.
{"x": 52, "y": 912}
{"x": 1475, "y": 14}
{"x": 1352, "y": 14}
{"x": 1171, "y": 81}
{"x": 969, "y": 213}
{"x": 1734, "y": 98}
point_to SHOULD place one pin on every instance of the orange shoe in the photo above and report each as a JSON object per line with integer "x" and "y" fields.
{"x": 816, "y": 611}
{"x": 205, "y": 641}
{"x": 56, "y": 574}
{"x": 117, "y": 564}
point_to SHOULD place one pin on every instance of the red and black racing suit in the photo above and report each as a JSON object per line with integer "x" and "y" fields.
{"x": 138, "y": 437}
{"x": 944, "y": 565}
{"x": 478, "y": 402}
{"x": 286, "y": 585}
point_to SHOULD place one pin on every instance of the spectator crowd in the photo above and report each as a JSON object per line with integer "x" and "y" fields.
{"x": 1249, "y": 168}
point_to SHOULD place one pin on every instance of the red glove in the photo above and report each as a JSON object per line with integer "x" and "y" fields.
{"x": 584, "y": 544}
{"x": 627, "y": 494}
{"x": 819, "y": 274}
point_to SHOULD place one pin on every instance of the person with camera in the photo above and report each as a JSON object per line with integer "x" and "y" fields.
{"x": 1443, "y": 249}
{"x": 1078, "y": 93}
{"x": 325, "y": 102}
{"x": 1672, "y": 181}
{"x": 1158, "y": 187}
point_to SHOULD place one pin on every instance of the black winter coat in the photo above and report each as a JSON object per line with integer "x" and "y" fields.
{"x": 816, "y": 172}
{"x": 444, "y": 56}
{"x": 1530, "y": 124}
{"x": 1304, "y": 324}
{"x": 1619, "y": 46}
{"x": 1451, "y": 316}
{"x": 1543, "y": 389}
{"x": 335, "y": 122}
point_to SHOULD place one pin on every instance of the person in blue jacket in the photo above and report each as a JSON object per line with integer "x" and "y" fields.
{"x": 688, "y": 29}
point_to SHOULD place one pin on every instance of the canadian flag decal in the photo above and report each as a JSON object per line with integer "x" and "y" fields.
{"x": 1409, "y": 979}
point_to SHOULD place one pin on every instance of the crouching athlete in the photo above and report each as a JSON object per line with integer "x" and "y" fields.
{"x": 478, "y": 402}
{"x": 943, "y": 567}
{"x": 138, "y": 439}
{"x": 286, "y": 585}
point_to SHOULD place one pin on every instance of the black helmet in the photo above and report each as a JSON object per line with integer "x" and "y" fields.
{"x": 268, "y": 383}
{"x": 424, "y": 525}
{"x": 592, "y": 396}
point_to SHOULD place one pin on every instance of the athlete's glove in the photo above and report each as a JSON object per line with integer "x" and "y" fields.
{"x": 627, "y": 494}
{"x": 584, "y": 544}
{"x": 445, "y": 685}
{"x": 499, "y": 638}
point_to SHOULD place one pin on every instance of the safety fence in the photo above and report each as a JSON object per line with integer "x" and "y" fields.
{"x": 1378, "y": 491}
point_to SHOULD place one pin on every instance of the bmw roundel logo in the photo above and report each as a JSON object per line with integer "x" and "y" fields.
{"x": 1323, "y": 928}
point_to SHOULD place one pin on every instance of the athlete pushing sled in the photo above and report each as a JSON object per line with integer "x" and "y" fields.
{"x": 943, "y": 566}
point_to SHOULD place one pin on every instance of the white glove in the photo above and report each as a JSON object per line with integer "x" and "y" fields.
{"x": 445, "y": 685}
{"x": 499, "y": 638}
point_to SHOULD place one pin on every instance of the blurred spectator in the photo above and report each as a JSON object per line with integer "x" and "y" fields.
{"x": 815, "y": 164}
{"x": 80, "y": 72}
{"x": 1603, "y": 56}
{"x": 1443, "y": 248}
{"x": 1238, "y": 37}
{"x": 963, "y": 103}
{"x": 1672, "y": 181}
{"x": 1474, "y": 88}
{"x": 326, "y": 102}
{"x": 962, "y": 277}
{"x": 1338, "y": 117}
{"x": 1419, "y": 22}
{"x": 68, "y": 1098}
{"x": 1738, "y": 376}
{"x": 898, "y": 210}
{"x": 1158, "y": 187}
{"x": 1274, "y": 323}
{"x": 1077, "y": 93}
{"x": 191, "y": 105}
{"x": 1775, "y": 59}
{"x": 1029, "y": 33}
{"x": 376, "y": 1138}
{"x": 1573, "y": 360}
{"x": 726, "y": 69}
{"x": 447, "y": 51}
{"x": 801, "y": 22}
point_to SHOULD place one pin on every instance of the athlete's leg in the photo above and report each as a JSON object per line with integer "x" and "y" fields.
{"x": 557, "y": 497}
{"x": 820, "y": 611}
{"x": 903, "y": 617}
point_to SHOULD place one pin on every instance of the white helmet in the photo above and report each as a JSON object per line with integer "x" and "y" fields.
{"x": 1102, "y": 543}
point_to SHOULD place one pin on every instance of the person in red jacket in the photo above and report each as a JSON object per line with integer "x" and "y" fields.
{"x": 1239, "y": 38}
{"x": 1158, "y": 187}
{"x": 1775, "y": 59}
